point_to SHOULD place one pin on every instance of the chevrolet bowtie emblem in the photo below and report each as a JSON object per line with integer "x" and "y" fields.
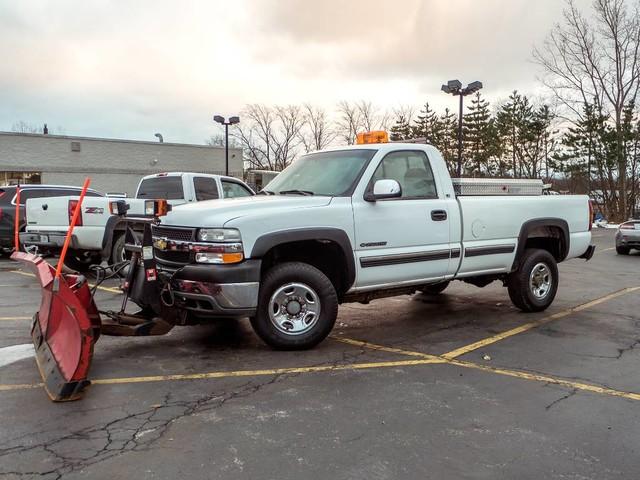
{"x": 160, "y": 243}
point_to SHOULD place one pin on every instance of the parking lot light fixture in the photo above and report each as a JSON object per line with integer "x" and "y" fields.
{"x": 454, "y": 87}
{"x": 232, "y": 121}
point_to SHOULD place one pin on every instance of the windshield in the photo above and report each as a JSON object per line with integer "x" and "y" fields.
{"x": 324, "y": 173}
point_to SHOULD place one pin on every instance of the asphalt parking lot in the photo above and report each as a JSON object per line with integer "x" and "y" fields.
{"x": 460, "y": 385}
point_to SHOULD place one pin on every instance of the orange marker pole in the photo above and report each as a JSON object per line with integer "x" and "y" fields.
{"x": 16, "y": 233}
{"x": 74, "y": 220}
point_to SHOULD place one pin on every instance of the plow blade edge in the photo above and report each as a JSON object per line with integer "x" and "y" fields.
{"x": 64, "y": 330}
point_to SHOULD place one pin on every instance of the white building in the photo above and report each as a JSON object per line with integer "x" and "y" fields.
{"x": 113, "y": 165}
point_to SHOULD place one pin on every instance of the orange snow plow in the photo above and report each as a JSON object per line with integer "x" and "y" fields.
{"x": 68, "y": 322}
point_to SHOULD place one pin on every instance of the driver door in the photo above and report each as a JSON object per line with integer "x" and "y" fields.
{"x": 405, "y": 239}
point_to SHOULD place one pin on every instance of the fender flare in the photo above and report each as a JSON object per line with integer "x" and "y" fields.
{"x": 266, "y": 242}
{"x": 530, "y": 225}
{"x": 109, "y": 233}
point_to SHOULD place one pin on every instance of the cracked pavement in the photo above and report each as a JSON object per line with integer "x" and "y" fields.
{"x": 430, "y": 421}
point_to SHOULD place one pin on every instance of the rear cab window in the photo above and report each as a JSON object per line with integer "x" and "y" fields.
{"x": 168, "y": 188}
{"x": 206, "y": 188}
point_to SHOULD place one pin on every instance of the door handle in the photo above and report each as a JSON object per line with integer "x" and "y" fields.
{"x": 438, "y": 215}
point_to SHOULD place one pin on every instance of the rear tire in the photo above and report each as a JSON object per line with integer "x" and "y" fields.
{"x": 297, "y": 307}
{"x": 623, "y": 250}
{"x": 435, "y": 289}
{"x": 534, "y": 285}
{"x": 81, "y": 260}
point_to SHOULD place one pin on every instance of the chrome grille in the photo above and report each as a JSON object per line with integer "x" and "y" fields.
{"x": 174, "y": 233}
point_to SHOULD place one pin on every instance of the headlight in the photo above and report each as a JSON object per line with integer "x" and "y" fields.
{"x": 225, "y": 246}
{"x": 219, "y": 235}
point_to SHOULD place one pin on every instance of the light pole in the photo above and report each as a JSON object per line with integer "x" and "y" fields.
{"x": 232, "y": 121}
{"x": 159, "y": 137}
{"x": 454, "y": 87}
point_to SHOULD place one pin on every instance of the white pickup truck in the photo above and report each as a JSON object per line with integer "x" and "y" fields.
{"x": 358, "y": 223}
{"x": 100, "y": 232}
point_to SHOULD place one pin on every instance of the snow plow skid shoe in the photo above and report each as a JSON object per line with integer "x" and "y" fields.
{"x": 64, "y": 330}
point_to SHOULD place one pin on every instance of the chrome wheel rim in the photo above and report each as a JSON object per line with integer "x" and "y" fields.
{"x": 540, "y": 281}
{"x": 294, "y": 308}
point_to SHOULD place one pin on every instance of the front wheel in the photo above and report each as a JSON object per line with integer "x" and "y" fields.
{"x": 533, "y": 286}
{"x": 297, "y": 307}
{"x": 623, "y": 250}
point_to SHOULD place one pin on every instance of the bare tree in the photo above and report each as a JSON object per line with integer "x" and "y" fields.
{"x": 349, "y": 121}
{"x": 317, "y": 132}
{"x": 596, "y": 61}
{"x": 270, "y": 136}
{"x": 25, "y": 127}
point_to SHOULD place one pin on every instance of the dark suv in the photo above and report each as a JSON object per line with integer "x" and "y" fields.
{"x": 8, "y": 206}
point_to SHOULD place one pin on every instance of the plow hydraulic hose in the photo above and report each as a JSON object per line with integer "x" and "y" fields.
{"x": 74, "y": 220}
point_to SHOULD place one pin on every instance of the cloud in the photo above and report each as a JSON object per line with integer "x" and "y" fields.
{"x": 129, "y": 69}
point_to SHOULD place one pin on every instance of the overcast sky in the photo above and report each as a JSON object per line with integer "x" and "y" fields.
{"x": 128, "y": 69}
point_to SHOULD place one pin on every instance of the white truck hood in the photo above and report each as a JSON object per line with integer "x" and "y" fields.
{"x": 216, "y": 213}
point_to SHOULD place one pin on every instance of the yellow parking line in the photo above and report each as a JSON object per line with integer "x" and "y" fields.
{"x": 242, "y": 373}
{"x": 15, "y": 318}
{"x": 100, "y": 287}
{"x": 382, "y": 348}
{"x": 500, "y": 371}
{"x": 528, "y": 326}
{"x": 605, "y": 250}
{"x": 587, "y": 387}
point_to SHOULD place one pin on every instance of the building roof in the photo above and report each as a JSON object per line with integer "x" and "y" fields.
{"x": 115, "y": 140}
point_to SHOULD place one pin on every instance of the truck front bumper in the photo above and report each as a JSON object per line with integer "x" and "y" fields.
{"x": 217, "y": 290}
{"x": 52, "y": 240}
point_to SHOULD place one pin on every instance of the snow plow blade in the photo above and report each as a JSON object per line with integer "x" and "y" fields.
{"x": 64, "y": 330}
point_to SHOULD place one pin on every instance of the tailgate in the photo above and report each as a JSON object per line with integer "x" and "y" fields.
{"x": 54, "y": 212}
{"x": 48, "y": 212}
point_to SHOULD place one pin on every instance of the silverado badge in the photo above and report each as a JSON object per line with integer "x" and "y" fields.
{"x": 160, "y": 243}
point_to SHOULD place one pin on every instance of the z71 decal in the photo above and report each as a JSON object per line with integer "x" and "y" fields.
{"x": 95, "y": 210}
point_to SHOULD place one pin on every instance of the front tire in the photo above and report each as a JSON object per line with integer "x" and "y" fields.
{"x": 534, "y": 285}
{"x": 297, "y": 307}
{"x": 623, "y": 250}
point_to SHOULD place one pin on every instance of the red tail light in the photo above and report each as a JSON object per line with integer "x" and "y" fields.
{"x": 73, "y": 204}
{"x": 590, "y": 215}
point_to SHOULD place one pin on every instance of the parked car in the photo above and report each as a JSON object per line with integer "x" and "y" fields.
{"x": 628, "y": 237}
{"x": 99, "y": 235}
{"x": 352, "y": 224}
{"x": 27, "y": 192}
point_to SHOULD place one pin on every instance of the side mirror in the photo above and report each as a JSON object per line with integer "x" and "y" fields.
{"x": 383, "y": 189}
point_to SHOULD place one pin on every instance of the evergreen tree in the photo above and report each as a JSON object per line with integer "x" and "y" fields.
{"x": 447, "y": 139}
{"x": 401, "y": 130}
{"x": 479, "y": 143}
{"x": 427, "y": 125}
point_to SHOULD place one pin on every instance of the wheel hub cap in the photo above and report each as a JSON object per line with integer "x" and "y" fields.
{"x": 294, "y": 308}
{"x": 540, "y": 281}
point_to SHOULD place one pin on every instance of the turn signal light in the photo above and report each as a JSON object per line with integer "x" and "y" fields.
{"x": 376, "y": 136}
{"x": 157, "y": 208}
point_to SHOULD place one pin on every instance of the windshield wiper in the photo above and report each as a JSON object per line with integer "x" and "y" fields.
{"x": 298, "y": 192}
{"x": 266, "y": 192}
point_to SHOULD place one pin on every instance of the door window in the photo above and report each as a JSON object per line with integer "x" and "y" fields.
{"x": 206, "y": 188}
{"x": 411, "y": 169}
{"x": 233, "y": 190}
